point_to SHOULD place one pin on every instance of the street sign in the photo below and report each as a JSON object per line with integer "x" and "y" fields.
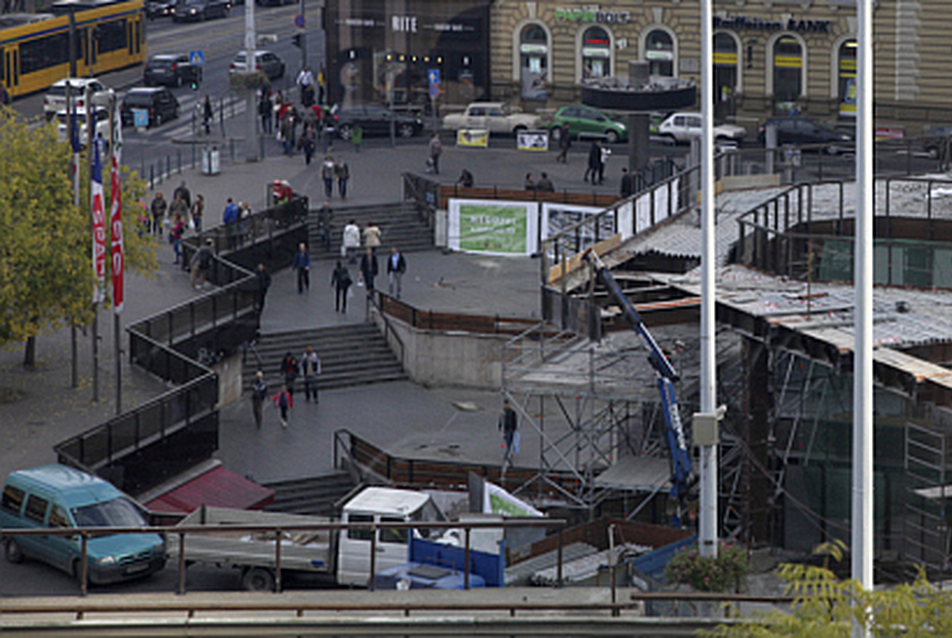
{"x": 433, "y": 76}
{"x": 196, "y": 58}
{"x": 140, "y": 118}
{"x": 299, "y": 21}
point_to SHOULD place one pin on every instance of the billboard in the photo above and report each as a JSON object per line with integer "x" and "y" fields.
{"x": 558, "y": 217}
{"x": 493, "y": 227}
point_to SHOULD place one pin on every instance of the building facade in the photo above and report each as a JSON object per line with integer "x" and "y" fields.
{"x": 770, "y": 56}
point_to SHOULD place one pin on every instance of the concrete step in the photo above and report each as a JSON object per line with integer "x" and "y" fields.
{"x": 315, "y": 496}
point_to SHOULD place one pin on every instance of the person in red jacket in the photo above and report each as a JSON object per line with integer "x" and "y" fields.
{"x": 283, "y": 400}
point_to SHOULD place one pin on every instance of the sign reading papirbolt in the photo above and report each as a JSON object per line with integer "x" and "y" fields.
{"x": 493, "y": 227}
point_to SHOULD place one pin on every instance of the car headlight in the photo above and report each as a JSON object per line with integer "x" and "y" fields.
{"x": 107, "y": 560}
{"x": 622, "y": 126}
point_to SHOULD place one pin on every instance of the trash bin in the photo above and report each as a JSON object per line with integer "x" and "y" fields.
{"x": 211, "y": 160}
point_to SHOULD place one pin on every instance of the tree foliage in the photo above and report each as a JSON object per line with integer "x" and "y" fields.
{"x": 46, "y": 274}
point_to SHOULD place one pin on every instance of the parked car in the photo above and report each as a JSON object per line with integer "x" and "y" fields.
{"x": 157, "y": 100}
{"x": 584, "y": 121}
{"x": 158, "y": 8}
{"x": 55, "y": 99}
{"x": 374, "y": 120}
{"x": 102, "y": 124}
{"x": 266, "y": 61}
{"x": 198, "y": 10}
{"x": 680, "y": 128}
{"x": 802, "y": 131}
{"x": 935, "y": 139}
{"x": 497, "y": 117}
{"x": 171, "y": 69}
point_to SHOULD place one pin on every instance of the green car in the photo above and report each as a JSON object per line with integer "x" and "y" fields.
{"x": 586, "y": 122}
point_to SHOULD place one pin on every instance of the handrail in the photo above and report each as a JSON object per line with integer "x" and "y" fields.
{"x": 374, "y": 298}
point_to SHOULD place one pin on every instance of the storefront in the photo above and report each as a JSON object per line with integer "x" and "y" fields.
{"x": 794, "y": 57}
{"x": 383, "y": 50}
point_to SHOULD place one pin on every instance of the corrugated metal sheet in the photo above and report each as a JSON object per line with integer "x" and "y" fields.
{"x": 217, "y": 487}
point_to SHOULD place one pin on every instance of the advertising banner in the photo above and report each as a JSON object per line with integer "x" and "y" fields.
{"x": 532, "y": 141}
{"x": 493, "y": 227}
{"x": 558, "y": 217}
{"x": 496, "y": 500}
{"x": 473, "y": 137}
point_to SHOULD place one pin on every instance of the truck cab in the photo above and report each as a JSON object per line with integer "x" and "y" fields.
{"x": 380, "y": 505}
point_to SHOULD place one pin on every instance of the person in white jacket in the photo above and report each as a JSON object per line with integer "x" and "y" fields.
{"x": 351, "y": 244}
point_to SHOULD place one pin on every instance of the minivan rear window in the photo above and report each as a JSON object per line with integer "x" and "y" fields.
{"x": 12, "y": 499}
{"x": 119, "y": 512}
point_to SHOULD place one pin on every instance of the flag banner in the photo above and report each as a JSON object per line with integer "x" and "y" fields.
{"x": 98, "y": 210}
{"x": 115, "y": 224}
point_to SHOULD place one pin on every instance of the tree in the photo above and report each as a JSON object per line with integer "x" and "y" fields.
{"x": 46, "y": 274}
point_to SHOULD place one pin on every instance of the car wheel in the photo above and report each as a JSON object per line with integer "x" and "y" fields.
{"x": 345, "y": 131}
{"x": 405, "y": 130}
{"x": 13, "y": 551}
{"x": 258, "y": 579}
{"x": 611, "y": 137}
{"x": 517, "y": 130}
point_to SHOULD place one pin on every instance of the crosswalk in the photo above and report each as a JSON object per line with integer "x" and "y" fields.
{"x": 189, "y": 122}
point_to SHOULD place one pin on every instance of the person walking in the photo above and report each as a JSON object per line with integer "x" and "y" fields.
{"x": 396, "y": 266}
{"x": 202, "y": 263}
{"x": 372, "y": 236}
{"x": 350, "y": 245}
{"x": 289, "y": 371}
{"x": 302, "y": 263}
{"x": 435, "y": 148}
{"x": 159, "y": 208}
{"x": 229, "y": 218}
{"x": 183, "y": 192}
{"x": 603, "y": 154}
{"x": 328, "y": 133}
{"x": 259, "y": 392}
{"x": 305, "y": 80}
{"x": 626, "y": 188}
{"x": 288, "y": 128}
{"x": 283, "y": 400}
{"x": 357, "y": 136}
{"x": 369, "y": 268}
{"x": 310, "y": 369}
{"x": 327, "y": 174}
{"x": 265, "y": 111}
{"x": 324, "y": 217}
{"x": 508, "y": 424}
{"x": 340, "y": 282}
{"x": 565, "y": 143}
{"x": 208, "y": 115}
{"x": 264, "y": 282}
{"x": 308, "y": 143}
{"x": 179, "y": 207}
{"x": 198, "y": 210}
{"x": 342, "y": 173}
{"x": 594, "y": 159}
{"x": 175, "y": 236}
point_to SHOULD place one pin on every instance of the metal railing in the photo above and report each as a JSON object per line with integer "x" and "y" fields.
{"x": 444, "y": 321}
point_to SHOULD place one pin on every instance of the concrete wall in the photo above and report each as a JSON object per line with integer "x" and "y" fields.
{"x": 229, "y": 380}
{"x": 436, "y": 358}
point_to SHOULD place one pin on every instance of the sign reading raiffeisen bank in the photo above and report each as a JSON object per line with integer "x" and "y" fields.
{"x": 593, "y": 15}
{"x": 493, "y": 227}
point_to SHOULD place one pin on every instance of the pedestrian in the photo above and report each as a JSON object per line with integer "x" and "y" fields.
{"x": 626, "y": 188}
{"x": 198, "y": 210}
{"x": 320, "y": 84}
{"x": 594, "y": 159}
{"x": 350, "y": 245}
{"x": 396, "y": 266}
{"x": 324, "y": 217}
{"x": 340, "y": 282}
{"x": 465, "y": 179}
{"x": 545, "y": 184}
{"x": 435, "y": 148}
{"x": 305, "y": 80}
{"x": 328, "y": 133}
{"x": 283, "y": 400}
{"x": 289, "y": 371}
{"x": 264, "y": 282}
{"x": 179, "y": 207}
{"x": 288, "y": 127}
{"x": 357, "y": 136}
{"x": 183, "y": 192}
{"x": 565, "y": 143}
{"x": 369, "y": 268}
{"x": 202, "y": 263}
{"x": 372, "y": 237}
{"x": 604, "y": 154}
{"x": 308, "y": 143}
{"x": 208, "y": 115}
{"x": 508, "y": 424}
{"x": 327, "y": 174}
{"x": 310, "y": 369}
{"x": 159, "y": 208}
{"x": 342, "y": 173}
{"x": 229, "y": 218}
{"x": 529, "y": 183}
{"x": 302, "y": 263}
{"x": 259, "y": 392}
{"x": 265, "y": 110}
{"x": 175, "y": 236}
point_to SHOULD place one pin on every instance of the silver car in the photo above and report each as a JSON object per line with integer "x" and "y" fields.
{"x": 267, "y": 62}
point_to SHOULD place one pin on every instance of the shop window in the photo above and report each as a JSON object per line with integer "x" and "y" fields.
{"x": 533, "y": 61}
{"x": 659, "y": 53}
{"x": 726, "y": 73}
{"x": 787, "y": 71}
{"x": 596, "y": 53}
{"x": 846, "y": 78}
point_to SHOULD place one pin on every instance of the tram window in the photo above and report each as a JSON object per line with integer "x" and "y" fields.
{"x": 41, "y": 53}
{"x": 112, "y": 36}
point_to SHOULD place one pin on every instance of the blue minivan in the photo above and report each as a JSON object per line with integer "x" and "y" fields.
{"x": 58, "y": 496}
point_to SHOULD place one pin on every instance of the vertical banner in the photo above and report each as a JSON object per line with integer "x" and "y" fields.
{"x": 99, "y": 223}
{"x": 115, "y": 222}
{"x": 493, "y": 227}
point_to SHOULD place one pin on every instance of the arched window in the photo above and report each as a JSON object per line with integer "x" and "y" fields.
{"x": 787, "y": 69}
{"x": 726, "y": 73}
{"x": 659, "y": 53}
{"x": 596, "y": 53}
{"x": 846, "y": 77}
{"x": 533, "y": 61}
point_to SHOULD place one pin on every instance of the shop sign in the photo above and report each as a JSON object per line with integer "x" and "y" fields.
{"x": 742, "y": 22}
{"x": 593, "y": 15}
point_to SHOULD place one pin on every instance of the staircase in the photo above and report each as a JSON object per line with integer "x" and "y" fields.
{"x": 315, "y": 496}
{"x": 400, "y": 225}
{"x": 353, "y": 354}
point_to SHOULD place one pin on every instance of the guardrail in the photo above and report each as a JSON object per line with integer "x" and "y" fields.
{"x": 445, "y": 321}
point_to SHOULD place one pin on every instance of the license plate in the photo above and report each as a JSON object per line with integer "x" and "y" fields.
{"x": 141, "y": 567}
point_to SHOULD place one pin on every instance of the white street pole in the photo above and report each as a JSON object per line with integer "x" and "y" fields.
{"x": 862, "y": 520}
{"x": 707, "y": 518}
{"x": 251, "y": 146}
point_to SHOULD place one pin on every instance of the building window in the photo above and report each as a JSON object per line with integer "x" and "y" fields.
{"x": 726, "y": 73}
{"x": 659, "y": 53}
{"x": 596, "y": 53}
{"x": 787, "y": 71}
{"x": 533, "y": 61}
{"x": 846, "y": 78}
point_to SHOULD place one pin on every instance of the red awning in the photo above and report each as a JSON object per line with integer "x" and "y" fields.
{"x": 216, "y": 488}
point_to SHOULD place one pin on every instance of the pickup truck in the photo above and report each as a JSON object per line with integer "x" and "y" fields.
{"x": 343, "y": 557}
{"x": 496, "y": 117}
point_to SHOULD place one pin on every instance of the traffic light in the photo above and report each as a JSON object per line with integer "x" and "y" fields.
{"x": 296, "y": 40}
